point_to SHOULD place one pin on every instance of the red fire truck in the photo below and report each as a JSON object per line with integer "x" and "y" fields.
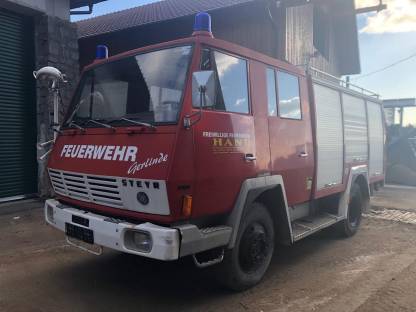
{"x": 200, "y": 147}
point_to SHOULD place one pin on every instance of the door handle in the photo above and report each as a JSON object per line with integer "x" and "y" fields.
{"x": 303, "y": 154}
{"x": 250, "y": 157}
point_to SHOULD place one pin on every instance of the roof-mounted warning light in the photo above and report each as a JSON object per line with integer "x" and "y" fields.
{"x": 202, "y": 26}
{"x": 101, "y": 52}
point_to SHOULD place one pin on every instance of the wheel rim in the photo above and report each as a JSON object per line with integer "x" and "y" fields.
{"x": 254, "y": 248}
{"x": 354, "y": 214}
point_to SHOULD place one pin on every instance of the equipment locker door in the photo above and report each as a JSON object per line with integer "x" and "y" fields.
{"x": 376, "y": 138}
{"x": 329, "y": 136}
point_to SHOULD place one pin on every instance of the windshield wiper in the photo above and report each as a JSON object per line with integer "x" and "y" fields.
{"x": 101, "y": 124}
{"x": 139, "y": 123}
{"x": 74, "y": 124}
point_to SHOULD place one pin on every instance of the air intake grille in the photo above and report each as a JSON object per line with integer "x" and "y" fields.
{"x": 89, "y": 188}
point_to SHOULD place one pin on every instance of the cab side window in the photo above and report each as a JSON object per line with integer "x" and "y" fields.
{"x": 271, "y": 92}
{"x": 231, "y": 78}
{"x": 283, "y": 98}
{"x": 289, "y": 97}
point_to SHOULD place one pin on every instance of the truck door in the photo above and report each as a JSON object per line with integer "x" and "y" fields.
{"x": 290, "y": 133}
{"x": 224, "y": 137}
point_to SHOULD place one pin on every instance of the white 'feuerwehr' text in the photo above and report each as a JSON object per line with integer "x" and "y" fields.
{"x": 100, "y": 152}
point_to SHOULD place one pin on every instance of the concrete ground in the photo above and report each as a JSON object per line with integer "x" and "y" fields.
{"x": 396, "y": 196}
{"x": 373, "y": 271}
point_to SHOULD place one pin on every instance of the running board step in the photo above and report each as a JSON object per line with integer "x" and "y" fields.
{"x": 210, "y": 259}
{"x": 305, "y": 227}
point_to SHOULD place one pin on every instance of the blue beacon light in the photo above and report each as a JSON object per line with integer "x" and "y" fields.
{"x": 203, "y": 23}
{"x": 101, "y": 52}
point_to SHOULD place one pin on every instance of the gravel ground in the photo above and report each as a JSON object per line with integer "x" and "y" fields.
{"x": 373, "y": 271}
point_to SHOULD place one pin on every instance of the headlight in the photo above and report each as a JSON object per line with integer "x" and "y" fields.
{"x": 138, "y": 241}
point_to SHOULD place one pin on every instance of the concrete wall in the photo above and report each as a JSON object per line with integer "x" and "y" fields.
{"x": 56, "y": 44}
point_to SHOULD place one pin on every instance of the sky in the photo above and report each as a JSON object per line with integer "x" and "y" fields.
{"x": 386, "y": 38}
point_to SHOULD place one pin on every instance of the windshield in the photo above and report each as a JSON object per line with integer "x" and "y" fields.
{"x": 146, "y": 87}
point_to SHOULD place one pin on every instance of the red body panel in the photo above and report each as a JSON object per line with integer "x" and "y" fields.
{"x": 221, "y": 167}
{"x": 145, "y": 149}
{"x": 150, "y": 145}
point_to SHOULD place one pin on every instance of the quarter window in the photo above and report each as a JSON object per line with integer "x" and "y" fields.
{"x": 289, "y": 98}
{"x": 232, "y": 83}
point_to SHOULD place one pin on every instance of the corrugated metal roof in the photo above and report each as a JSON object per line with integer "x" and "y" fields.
{"x": 150, "y": 13}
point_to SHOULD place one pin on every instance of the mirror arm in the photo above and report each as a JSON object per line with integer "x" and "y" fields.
{"x": 57, "y": 130}
{"x": 188, "y": 123}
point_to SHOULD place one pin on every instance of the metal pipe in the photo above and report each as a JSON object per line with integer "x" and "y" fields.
{"x": 43, "y": 157}
{"x": 55, "y": 107}
{"x": 401, "y": 112}
{"x": 343, "y": 82}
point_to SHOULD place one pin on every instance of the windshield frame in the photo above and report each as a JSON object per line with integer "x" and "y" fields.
{"x": 73, "y": 107}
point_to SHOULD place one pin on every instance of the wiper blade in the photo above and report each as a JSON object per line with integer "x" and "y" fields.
{"x": 100, "y": 124}
{"x": 74, "y": 124}
{"x": 139, "y": 123}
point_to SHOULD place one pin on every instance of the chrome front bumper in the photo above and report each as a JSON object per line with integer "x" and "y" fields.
{"x": 110, "y": 232}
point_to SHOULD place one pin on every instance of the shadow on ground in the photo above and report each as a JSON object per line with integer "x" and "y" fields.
{"x": 117, "y": 281}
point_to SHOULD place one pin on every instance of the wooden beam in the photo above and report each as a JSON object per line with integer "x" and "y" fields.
{"x": 376, "y": 8}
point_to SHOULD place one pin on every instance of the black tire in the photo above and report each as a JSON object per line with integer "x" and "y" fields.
{"x": 349, "y": 226}
{"x": 245, "y": 265}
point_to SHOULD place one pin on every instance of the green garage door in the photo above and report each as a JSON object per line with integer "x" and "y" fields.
{"x": 18, "y": 167}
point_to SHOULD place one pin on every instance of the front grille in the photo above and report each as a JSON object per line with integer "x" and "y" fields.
{"x": 89, "y": 188}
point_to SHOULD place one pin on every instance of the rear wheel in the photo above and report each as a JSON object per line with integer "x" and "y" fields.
{"x": 245, "y": 265}
{"x": 349, "y": 226}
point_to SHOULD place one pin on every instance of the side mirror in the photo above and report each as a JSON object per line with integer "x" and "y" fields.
{"x": 53, "y": 75}
{"x": 49, "y": 73}
{"x": 203, "y": 88}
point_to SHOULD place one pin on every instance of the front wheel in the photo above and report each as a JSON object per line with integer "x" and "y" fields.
{"x": 349, "y": 226}
{"x": 245, "y": 265}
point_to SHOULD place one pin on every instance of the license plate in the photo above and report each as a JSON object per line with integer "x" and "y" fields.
{"x": 80, "y": 233}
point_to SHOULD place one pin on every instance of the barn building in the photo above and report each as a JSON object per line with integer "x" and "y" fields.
{"x": 323, "y": 32}
{"x": 37, "y": 33}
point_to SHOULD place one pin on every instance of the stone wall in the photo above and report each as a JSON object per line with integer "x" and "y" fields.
{"x": 56, "y": 44}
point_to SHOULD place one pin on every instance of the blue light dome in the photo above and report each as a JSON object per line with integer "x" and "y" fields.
{"x": 202, "y": 22}
{"x": 101, "y": 52}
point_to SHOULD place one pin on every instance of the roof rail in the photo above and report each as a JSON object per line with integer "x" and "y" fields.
{"x": 346, "y": 84}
